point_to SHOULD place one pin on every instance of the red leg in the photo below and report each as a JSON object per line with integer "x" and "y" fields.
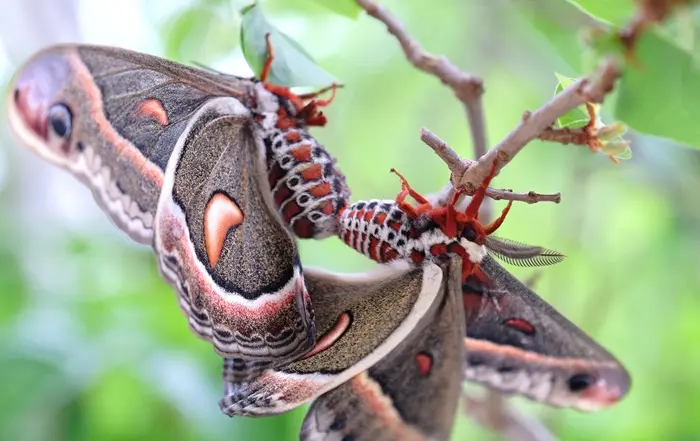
{"x": 406, "y": 191}
{"x": 316, "y": 120}
{"x": 268, "y": 62}
{"x": 405, "y": 186}
{"x": 493, "y": 226}
{"x": 468, "y": 266}
{"x": 321, "y": 103}
{"x": 472, "y": 210}
{"x": 450, "y": 225}
{"x": 277, "y": 90}
{"x": 407, "y": 208}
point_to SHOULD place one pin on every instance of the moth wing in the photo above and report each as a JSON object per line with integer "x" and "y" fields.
{"x": 359, "y": 318}
{"x": 233, "y": 264}
{"x": 412, "y": 393}
{"x": 517, "y": 343}
{"x": 119, "y": 115}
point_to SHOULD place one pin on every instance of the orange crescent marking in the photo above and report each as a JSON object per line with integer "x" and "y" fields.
{"x": 154, "y": 108}
{"x": 121, "y": 145}
{"x": 330, "y": 337}
{"x": 220, "y": 215}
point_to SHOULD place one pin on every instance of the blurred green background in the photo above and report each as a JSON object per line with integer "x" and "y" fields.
{"x": 94, "y": 347}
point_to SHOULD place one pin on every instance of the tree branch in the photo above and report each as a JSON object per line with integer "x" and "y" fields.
{"x": 467, "y": 88}
{"x": 457, "y": 164}
{"x": 592, "y": 88}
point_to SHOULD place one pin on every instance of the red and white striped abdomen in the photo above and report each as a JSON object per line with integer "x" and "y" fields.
{"x": 377, "y": 228}
{"x": 380, "y": 230}
{"x": 306, "y": 185}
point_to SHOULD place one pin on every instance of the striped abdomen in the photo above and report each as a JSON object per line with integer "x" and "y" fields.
{"x": 307, "y": 187}
{"x": 380, "y": 230}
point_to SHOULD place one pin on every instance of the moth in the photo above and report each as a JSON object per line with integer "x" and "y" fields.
{"x": 516, "y": 343}
{"x": 208, "y": 169}
{"x": 368, "y": 382}
{"x": 388, "y": 364}
{"x": 391, "y": 230}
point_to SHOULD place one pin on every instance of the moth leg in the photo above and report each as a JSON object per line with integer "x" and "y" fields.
{"x": 406, "y": 191}
{"x": 493, "y": 226}
{"x": 276, "y": 89}
{"x": 472, "y": 211}
{"x": 321, "y": 103}
{"x": 268, "y": 61}
{"x": 310, "y": 112}
{"x": 410, "y": 191}
{"x": 450, "y": 224}
{"x": 468, "y": 267}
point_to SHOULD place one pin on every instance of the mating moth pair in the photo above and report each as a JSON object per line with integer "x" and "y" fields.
{"x": 220, "y": 176}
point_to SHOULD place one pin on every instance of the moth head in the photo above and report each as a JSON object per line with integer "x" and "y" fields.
{"x": 272, "y": 104}
{"x": 41, "y": 109}
{"x": 472, "y": 237}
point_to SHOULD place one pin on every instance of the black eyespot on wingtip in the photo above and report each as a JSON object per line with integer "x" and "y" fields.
{"x": 579, "y": 382}
{"x": 60, "y": 119}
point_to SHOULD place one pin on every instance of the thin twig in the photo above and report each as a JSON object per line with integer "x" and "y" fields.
{"x": 529, "y": 197}
{"x": 592, "y": 88}
{"x": 467, "y": 88}
{"x": 456, "y": 164}
{"x": 451, "y": 158}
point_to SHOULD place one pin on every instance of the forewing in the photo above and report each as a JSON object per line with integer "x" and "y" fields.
{"x": 124, "y": 112}
{"x": 517, "y": 343}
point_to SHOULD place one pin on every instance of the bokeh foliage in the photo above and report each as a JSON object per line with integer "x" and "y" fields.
{"x": 94, "y": 347}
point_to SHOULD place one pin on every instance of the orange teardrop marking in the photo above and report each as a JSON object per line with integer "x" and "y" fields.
{"x": 153, "y": 108}
{"x": 220, "y": 215}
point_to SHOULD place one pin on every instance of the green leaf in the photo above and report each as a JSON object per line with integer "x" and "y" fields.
{"x": 348, "y": 8}
{"x": 660, "y": 96}
{"x": 616, "y": 12}
{"x": 292, "y": 65}
{"x": 200, "y": 34}
{"x": 576, "y": 117}
{"x": 559, "y": 24}
{"x": 619, "y": 150}
{"x": 657, "y": 96}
